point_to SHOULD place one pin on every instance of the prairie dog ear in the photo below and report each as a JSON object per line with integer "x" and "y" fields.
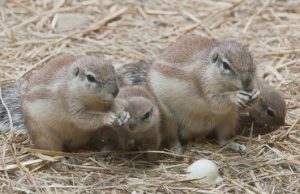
{"x": 214, "y": 57}
{"x": 75, "y": 71}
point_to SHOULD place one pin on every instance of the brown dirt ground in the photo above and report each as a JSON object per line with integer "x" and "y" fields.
{"x": 128, "y": 31}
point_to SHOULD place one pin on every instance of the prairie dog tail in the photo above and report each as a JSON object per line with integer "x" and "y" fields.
{"x": 10, "y": 103}
{"x": 134, "y": 73}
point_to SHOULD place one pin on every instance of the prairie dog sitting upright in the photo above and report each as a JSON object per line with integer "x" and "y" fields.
{"x": 141, "y": 132}
{"x": 67, "y": 99}
{"x": 200, "y": 84}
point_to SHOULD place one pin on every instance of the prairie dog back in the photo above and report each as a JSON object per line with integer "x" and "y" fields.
{"x": 11, "y": 95}
{"x": 134, "y": 73}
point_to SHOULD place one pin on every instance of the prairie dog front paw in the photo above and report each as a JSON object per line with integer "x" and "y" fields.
{"x": 254, "y": 95}
{"x": 123, "y": 118}
{"x": 245, "y": 99}
{"x": 110, "y": 118}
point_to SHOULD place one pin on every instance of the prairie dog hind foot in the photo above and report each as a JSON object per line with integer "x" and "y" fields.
{"x": 234, "y": 147}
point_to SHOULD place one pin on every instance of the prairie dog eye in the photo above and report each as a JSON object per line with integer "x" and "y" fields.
{"x": 225, "y": 66}
{"x": 270, "y": 112}
{"x": 90, "y": 78}
{"x": 147, "y": 115}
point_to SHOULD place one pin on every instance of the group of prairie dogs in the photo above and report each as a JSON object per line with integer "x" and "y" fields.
{"x": 194, "y": 87}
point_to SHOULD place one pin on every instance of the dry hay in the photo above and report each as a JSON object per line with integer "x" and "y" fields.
{"x": 126, "y": 31}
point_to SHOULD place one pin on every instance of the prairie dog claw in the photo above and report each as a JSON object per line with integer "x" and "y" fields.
{"x": 246, "y": 99}
{"x": 123, "y": 118}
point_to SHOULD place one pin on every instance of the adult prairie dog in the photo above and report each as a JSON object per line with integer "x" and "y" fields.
{"x": 200, "y": 84}
{"x": 141, "y": 132}
{"x": 68, "y": 98}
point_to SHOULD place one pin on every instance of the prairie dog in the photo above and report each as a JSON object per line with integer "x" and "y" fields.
{"x": 200, "y": 84}
{"x": 11, "y": 95}
{"x": 134, "y": 73}
{"x": 142, "y": 131}
{"x": 68, "y": 98}
{"x": 270, "y": 110}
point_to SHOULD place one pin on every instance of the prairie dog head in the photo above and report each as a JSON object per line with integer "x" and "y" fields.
{"x": 93, "y": 81}
{"x": 142, "y": 108}
{"x": 144, "y": 114}
{"x": 270, "y": 110}
{"x": 231, "y": 67}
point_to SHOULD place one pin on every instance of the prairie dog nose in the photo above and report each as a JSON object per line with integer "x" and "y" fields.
{"x": 113, "y": 88}
{"x": 131, "y": 124}
{"x": 115, "y": 91}
{"x": 246, "y": 82}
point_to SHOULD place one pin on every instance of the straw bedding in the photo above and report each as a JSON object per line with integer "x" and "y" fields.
{"x": 32, "y": 32}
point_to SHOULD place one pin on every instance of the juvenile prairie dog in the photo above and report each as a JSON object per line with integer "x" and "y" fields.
{"x": 269, "y": 111}
{"x": 200, "y": 84}
{"x": 141, "y": 132}
{"x": 68, "y": 98}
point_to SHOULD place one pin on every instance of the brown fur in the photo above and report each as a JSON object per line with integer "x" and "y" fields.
{"x": 194, "y": 93}
{"x": 134, "y": 73}
{"x": 138, "y": 133}
{"x": 270, "y": 110}
{"x": 62, "y": 106}
{"x": 11, "y": 96}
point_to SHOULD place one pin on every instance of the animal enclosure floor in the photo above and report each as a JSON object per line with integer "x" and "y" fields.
{"x": 32, "y": 32}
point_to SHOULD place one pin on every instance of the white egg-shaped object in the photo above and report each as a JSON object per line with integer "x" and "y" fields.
{"x": 205, "y": 170}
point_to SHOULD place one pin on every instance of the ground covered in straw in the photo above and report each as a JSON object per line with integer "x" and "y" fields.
{"x": 125, "y": 31}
